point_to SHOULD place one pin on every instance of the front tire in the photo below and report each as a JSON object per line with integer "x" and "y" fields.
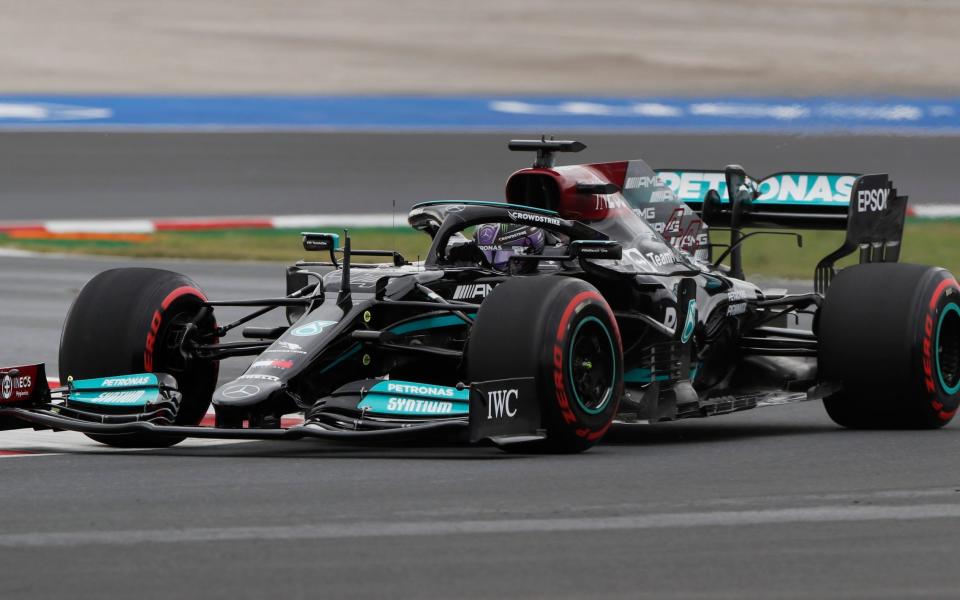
{"x": 126, "y": 321}
{"x": 561, "y": 331}
{"x": 890, "y": 334}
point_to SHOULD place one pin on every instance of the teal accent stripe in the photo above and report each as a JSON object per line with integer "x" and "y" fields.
{"x": 428, "y": 323}
{"x": 417, "y": 325}
{"x": 421, "y": 390}
{"x": 343, "y": 357}
{"x": 642, "y": 376}
{"x": 413, "y": 407}
{"x": 117, "y": 397}
{"x": 412, "y": 398}
{"x": 609, "y": 394}
{"x": 943, "y": 382}
{"x": 119, "y": 382}
{"x": 690, "y": 323}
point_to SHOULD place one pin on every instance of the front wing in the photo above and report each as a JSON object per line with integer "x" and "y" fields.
{"x": 146, "y": 403}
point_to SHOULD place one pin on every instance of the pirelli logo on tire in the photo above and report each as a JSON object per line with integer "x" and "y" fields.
{"x": 942, "y": 301}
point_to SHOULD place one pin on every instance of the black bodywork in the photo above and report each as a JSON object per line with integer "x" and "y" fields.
{"x": 698, "y": 339}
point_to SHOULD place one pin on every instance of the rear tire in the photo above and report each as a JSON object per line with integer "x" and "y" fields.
{"x": 125, "y": 321}
{"x": 561, "y": 331}
{"x": 890, "y": 334}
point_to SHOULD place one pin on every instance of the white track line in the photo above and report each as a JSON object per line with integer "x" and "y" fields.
{"x": 100, "y": 226}
{"x": 371, "y": 220}
{"x": 149, "y": 225}
{"x": 13, "y": 252}
{"x": 937, "y": 211}
{"x": 328, "y": 531}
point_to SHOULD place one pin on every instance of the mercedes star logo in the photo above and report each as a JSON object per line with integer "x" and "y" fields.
{"x": 241, "y": 391}
{"x": 312, "y": 328}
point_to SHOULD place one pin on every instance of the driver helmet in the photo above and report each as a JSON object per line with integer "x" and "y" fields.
{"x": 500, "y": 241}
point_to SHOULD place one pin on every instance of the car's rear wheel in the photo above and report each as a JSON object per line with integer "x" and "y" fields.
{"x": 560, "y": 331}
{"x": 890, "y": 335}
{"x": 128, "y": 321}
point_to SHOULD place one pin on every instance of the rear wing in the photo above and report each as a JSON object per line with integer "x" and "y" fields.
{"x": 866, "y": 206}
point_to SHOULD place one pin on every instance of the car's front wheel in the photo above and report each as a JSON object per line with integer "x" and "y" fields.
{"x": 129, "y": 321}
{"x": 560, "y": 331}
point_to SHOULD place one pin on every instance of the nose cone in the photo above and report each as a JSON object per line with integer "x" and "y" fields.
{"x": 245, "y": 392}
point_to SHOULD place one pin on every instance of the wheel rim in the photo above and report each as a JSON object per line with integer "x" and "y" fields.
{"x": 167, "y": 355}
{"x": 592, "y": 365}
{"x": 948, "y": 349}
{"x": 192, "y": 380}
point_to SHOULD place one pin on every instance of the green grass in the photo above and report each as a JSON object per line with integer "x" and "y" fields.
{"x": 235, "y": 244}
{"x": 931, "y": 243}
{"x": 934, "y": 243}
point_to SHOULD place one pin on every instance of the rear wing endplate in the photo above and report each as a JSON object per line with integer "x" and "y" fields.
{"x": 875, "y": 222}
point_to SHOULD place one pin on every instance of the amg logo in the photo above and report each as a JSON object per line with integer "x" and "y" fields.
{"x": 872, "y": 200}
{"x": 472, "y": 291}
{"x": 532, "y": 218}
{"x": 661, "y": 196}
{"x": 498, "y": 403}
{"x": 645, "y": 181}
{"x": 649, "y": 213}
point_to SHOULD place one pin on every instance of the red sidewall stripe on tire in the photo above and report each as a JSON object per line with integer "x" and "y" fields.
{"x": 157, "y": 319}
{"x": 180, "y": 292}
{"x": 927, "y": 348}
{"x": 559, "y": 380}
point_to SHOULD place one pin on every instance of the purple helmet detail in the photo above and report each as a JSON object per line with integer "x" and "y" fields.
{"x": 500, "y": 241}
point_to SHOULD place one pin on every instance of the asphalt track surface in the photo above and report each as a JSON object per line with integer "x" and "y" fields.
{"x": 110, "y": 175}
{"x": 772, "y": 503}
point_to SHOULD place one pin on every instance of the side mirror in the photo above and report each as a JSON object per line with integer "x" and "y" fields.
{"x": 313, "y": 242}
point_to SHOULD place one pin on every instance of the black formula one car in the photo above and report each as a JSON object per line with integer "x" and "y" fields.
{"x": 593, "y": 295}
